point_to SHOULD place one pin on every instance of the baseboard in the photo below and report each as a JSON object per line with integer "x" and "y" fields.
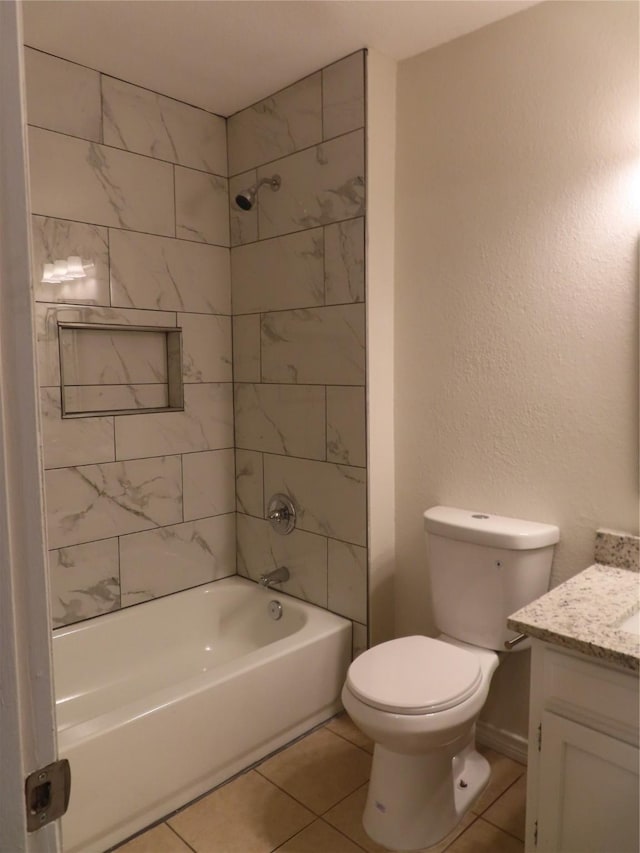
{"x": 507, "y": 743}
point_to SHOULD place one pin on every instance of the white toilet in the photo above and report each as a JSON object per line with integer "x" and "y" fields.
{"x": 418, "y": 698}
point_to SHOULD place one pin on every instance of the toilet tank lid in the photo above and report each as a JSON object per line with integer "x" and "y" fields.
{"x": 483, "y": 528}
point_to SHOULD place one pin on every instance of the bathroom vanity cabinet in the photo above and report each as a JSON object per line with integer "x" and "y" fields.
{"x": 582, "y": 786}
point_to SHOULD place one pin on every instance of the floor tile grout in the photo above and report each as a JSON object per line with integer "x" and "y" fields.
{"x": 318, "y": 815}
{"x": 488, "y": 820}
{"x": 297, "y": 832}
{"x": 175, "y": 832}
{"x": 458, "y": 837}
{"x": 321, "y": 816}
{"x": 344, "y": 834}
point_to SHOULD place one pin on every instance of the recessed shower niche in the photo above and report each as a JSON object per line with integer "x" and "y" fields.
{"x": 112, "y": 369}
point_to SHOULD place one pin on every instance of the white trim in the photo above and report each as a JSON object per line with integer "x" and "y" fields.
{"x": 507, "y": 743}
{"x": 27, "y": 722}
{"x": 381, "y": 151}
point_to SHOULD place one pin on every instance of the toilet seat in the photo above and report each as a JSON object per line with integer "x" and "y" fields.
{"x": 414, "y": 675}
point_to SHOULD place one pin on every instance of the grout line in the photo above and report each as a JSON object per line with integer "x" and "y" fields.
{"x": 285, "y": 792}
{"x": 128, "y": 82}
{"x": 322, "y": 104}
{"x": 308, "y": 533}
{"x": 289, "y": 233}
{"x": 62, "y": 306}
{"x": 461, "y": 834}
{"x": 126, "y": 150}
{"x": 138, "y": 230}
{"x": 499, "y": 828}
{"x": 344, "y": 834}
{"x": 483, "y": 814}
{"x": 295, "y": 835}
{"x": 277, "y": 92}
{"x": 168, "y": 825}
{"x": 175, "y": 204}
{"x": 254, "y": 767}
{"x": 281, "y": 157}
{"x": 277, "y": 382}
{"x": 317, "y": 306}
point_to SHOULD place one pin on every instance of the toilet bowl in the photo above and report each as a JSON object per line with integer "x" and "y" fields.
{"x": 418, "y": 698}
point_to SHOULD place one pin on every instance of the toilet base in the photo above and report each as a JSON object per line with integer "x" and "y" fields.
{"x": 414, "y": 801}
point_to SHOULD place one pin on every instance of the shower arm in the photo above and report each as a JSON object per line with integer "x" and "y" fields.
{"x": 273, "y": 182}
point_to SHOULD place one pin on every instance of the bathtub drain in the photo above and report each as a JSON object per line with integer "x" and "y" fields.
{"x": 275, "y": 609}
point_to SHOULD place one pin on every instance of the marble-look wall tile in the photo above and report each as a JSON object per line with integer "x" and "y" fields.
{"x": 202, "y": 207}
{"x": 169, "y": 274}
{"x": 343, "y": 95}
{"x": 206, "y": 347}
{"x": 344, "y": 262}
{"x": 47, "y": 317}
{"x": 84, "y": 581}
{"x": 243, "y": 224}
{"x": 286, "y": 272}
{"x": 205, "y": 424}
{"x": 74, "y": 179}
{"x": 277, "y": 126}
{"x": 114, "y": 398}
{"x": 320, "y": 185}
{"x": 287, "y": 419}
{"x": 260, "y": 550}
{"x": 318, "y": 345}
{"x": 346, "y": 425}
{"x": 92, "y": 502}
{"x": 348, "y": 580}
{"x": 329, "y": 499}
{"x": 177, "y": 557}
{"x": 208, "y": 483}
{"x": 142, "y": 121}
{"x": 101, "y": 357}
{"x": 62, "y": 96}
{"x": 73, "y": 441}
{"x": 246, "y": 348}
{"x": 249, "y": 483}
{"x": 58, "y": 239}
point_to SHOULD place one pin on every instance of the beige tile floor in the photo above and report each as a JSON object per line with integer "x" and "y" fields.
{"x": 309, "y": 798}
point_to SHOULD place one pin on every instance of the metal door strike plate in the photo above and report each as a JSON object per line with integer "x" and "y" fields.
{"x": 46, "y": 793}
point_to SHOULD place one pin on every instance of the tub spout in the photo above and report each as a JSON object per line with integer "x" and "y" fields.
{"x": 276, "y": 576}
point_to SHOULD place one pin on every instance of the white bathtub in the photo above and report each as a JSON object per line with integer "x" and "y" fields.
{"x": 160, "y": 702}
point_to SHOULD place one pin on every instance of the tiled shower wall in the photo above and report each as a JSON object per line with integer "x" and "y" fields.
{"x": 298, "y": 293}
{"x": 144, "y": 505}
{"x": 137, "y": 505}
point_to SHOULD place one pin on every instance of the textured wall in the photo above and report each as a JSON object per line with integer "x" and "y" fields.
{"x": 516, "y": 286}
{"x": 298, "y": 298}
{"x": 137, "y": 505}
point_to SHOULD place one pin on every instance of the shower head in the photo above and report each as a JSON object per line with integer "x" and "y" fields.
{"x": 246, "y": 198}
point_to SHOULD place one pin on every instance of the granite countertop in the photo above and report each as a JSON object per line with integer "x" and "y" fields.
{"x": 583, "y": 614}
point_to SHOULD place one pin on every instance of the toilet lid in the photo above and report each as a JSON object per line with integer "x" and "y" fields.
{"x": 414, "y": 675}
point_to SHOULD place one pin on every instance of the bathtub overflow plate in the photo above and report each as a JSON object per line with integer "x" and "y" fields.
{"x": 275, "y": 609}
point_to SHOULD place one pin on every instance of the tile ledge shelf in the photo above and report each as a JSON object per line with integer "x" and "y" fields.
{"x": 584, "y": 614}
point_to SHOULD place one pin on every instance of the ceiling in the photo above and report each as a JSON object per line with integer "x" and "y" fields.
{"x": 223, "y": 55}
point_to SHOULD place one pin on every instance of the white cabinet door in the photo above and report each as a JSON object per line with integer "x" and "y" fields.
{"x": 589, "y": 794}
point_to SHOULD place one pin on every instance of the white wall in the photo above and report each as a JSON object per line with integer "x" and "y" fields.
{"x": 516, "y": 287}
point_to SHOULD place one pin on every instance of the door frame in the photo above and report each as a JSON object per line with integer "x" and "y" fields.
{"x": 27, "y": 715}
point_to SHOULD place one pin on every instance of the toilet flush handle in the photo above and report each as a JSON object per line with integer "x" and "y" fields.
{"x": 509, "y": 644}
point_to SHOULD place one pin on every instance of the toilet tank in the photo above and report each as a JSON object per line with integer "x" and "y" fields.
{"x": 483, "y": 568}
